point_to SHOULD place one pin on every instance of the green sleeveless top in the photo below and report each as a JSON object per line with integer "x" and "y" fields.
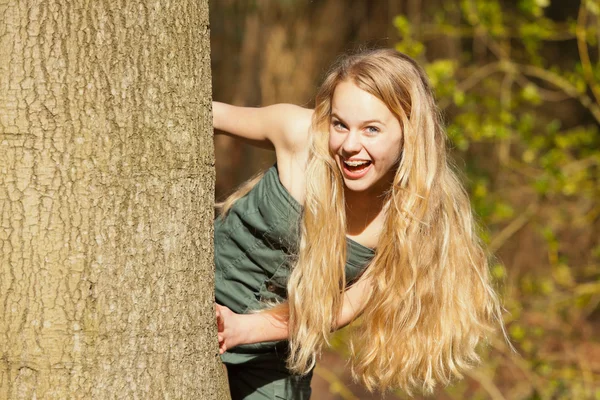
{"x": 255, "y": 244}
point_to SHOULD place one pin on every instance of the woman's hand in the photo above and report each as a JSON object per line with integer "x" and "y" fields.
{"x": 230, "y": 328}
{"x": 236, "y": 329}
{"x": 272, "y": 324}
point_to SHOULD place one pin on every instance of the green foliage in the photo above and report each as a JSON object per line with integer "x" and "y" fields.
{"x": 408, "y": 46}
{"x": 523, "y": 111}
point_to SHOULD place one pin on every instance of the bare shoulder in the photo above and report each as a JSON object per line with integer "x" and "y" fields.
{"x": 280, "y": 126}
{"x": 292, "y": 153}
{"x": 296, "y": 123}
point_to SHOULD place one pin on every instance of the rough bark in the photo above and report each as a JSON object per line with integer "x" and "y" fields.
{"x": 106, "y": 201}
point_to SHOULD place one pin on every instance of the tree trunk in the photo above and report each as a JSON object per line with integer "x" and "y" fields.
{"x": 106, "y": 201}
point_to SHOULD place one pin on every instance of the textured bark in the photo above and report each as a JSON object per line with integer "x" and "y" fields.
{"x": 106, "y": 201}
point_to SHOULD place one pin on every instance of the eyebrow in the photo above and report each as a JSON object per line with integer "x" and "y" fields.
{"x": 371, "y": 121}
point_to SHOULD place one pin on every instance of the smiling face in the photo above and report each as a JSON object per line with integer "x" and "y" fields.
{"x": 365, "y": 139}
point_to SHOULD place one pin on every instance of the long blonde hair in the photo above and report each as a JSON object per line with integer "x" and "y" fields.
{"x": 431, "y": 300}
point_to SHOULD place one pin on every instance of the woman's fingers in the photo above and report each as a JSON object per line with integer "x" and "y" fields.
{"x": 224, "y": 335}
{"x": 220, "y": 328}
{"x": 219, "y": 315}
{"x": 222, "y": 346}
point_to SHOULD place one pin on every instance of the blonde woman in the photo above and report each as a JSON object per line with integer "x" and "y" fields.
{"x": 361, "y": 215}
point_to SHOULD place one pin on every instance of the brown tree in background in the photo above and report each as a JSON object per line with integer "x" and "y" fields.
{"x": 271, "y": 51}
{"x": 106, "y": 197}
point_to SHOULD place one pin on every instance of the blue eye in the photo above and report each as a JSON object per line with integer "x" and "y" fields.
{"x": 372, "y": 129}
{"x": 338, "y": 125}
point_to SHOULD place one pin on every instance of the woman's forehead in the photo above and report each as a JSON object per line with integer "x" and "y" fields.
{"x": 353, "y": 104}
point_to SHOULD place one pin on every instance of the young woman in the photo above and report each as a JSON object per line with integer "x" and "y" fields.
{"x": 361, "y": 215}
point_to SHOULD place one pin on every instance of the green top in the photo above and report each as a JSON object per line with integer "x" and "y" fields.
{"x": 254, "y": 248}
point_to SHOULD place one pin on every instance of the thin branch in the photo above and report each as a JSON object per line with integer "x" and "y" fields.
{"x": 479, "y": 75}
{"x": 512, "y": 228}
{"x": 505, "y": 63}
{"x": 433, "y": 31}
{"x": 563, "y": 84}
{"x": 532, "y": 378}
{"x": 524, "y": 169}
{"x": 582, "y": 163}
{"x": 336, "y": 386}
{"x": 545, "y": 94}
{"x": 598, "y": 31}
{"x": 593, "y": 214}
{"x": 541, "y": 73}
{"x": 473, "y": 79}
{"x": 591, "y": 306}
{"x": 492, "y": 45}
{"x": 487, "y": 384}
{"x": 505, "y": 100}
{"x": 583, "y": 50}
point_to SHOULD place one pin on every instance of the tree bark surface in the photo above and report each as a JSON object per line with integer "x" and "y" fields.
{"x": 106, "y": 201}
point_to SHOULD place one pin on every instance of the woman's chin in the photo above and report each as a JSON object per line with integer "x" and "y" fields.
{"x": 357, "y": 185}
{"x": 368, "y": 184}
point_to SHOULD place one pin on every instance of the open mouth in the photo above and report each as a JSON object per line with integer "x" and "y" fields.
{"x": 356, "y": 165}
{"x": 356, "y": 169}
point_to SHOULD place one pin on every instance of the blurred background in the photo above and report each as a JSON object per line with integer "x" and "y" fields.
{"x": 518, "y": 83}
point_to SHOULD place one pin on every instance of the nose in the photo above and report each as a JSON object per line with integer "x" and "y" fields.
{"x": 351, "y": 144}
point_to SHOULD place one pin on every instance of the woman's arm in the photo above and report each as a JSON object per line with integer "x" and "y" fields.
{"x": 270, "y": 325}
{"x": 280, "y": 126}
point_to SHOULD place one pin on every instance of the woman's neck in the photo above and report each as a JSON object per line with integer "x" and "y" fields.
{"x": 362, "y": 208}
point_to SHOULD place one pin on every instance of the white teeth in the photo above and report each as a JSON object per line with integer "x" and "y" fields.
{"x": 355, "y": 163}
